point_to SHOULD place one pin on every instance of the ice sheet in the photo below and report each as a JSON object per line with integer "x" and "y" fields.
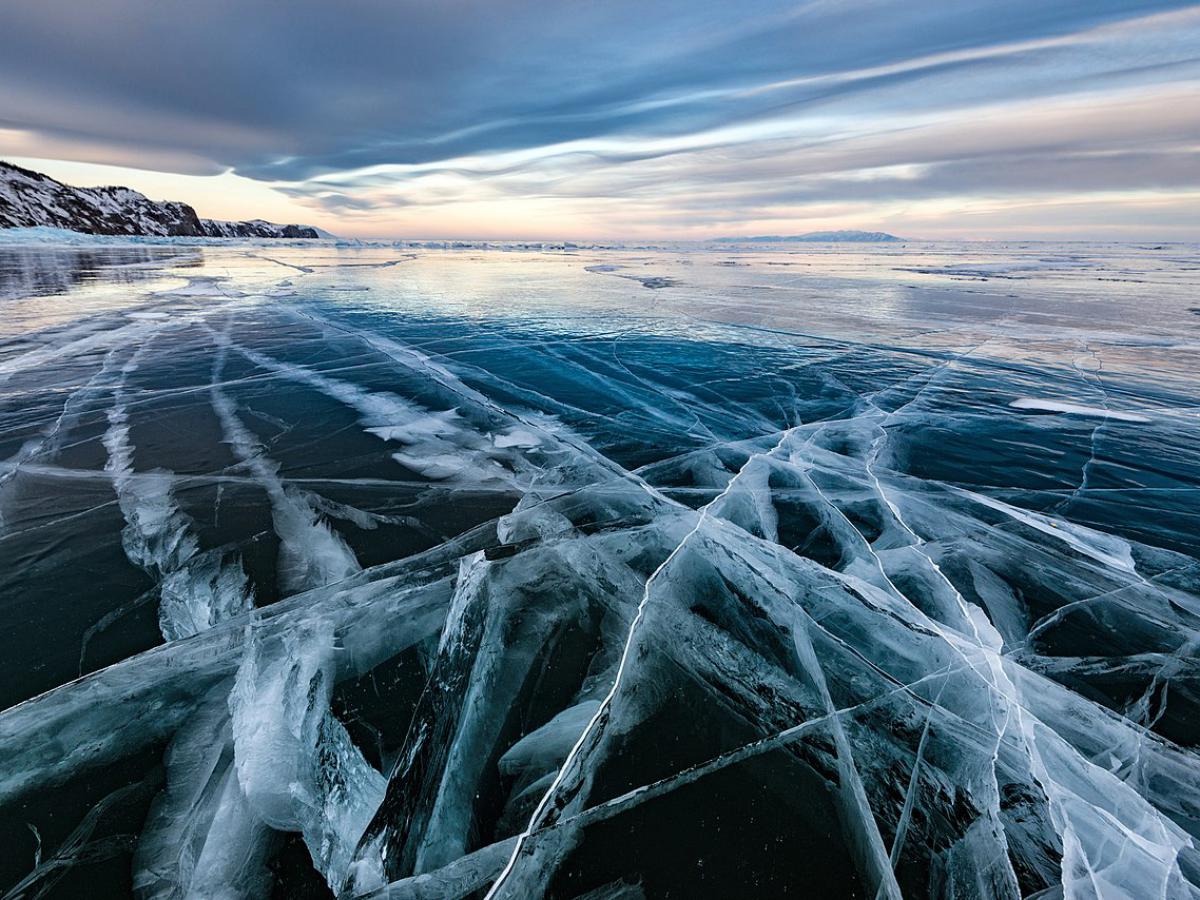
{"x": 337, "y": 570}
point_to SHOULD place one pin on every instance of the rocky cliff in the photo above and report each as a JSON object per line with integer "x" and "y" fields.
{"x": 29, "y": 199}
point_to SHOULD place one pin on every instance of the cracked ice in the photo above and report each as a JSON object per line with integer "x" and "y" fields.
{"x": 363, "y": 572}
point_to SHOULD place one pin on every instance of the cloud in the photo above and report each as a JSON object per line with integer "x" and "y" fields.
{"x": 368, "y": 107}
{"x": 338, "y": 202}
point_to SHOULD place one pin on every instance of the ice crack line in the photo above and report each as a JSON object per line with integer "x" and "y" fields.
{"x": 1085, "y": 473}
{"x": 602, "y": 709}
{"x": 418, "y": 362}
{"x": 311, "y": 555}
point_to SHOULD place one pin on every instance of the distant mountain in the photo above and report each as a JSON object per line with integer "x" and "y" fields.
{"x": 815, "y": 237}
{"x": 31, "y": 199}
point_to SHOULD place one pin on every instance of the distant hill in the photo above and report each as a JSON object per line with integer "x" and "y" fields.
{"x": 30, "y": 199}
{"x": 815, "y": 237}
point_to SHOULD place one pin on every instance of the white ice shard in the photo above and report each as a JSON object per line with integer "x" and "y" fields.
{"x": 297, "y": 767}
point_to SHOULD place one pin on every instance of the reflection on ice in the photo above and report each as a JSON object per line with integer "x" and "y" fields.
{"x": 495, "y": 577}
{"x": 1076, "y": 409}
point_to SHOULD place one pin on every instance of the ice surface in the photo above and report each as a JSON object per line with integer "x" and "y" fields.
{"x": 340, "y": 571}
{"x": 1076, "y": 409}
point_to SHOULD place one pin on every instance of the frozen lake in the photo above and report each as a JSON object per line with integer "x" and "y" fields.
{"x": 677, "y": 572}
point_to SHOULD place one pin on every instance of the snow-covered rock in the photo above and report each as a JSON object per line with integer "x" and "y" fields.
{"x": 30, "y": 199}
{"x": 255, "y": 228}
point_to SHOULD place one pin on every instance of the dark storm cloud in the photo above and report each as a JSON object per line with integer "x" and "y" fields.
{"x": 292, "y": 90}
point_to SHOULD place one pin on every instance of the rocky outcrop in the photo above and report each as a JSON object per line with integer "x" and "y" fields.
{"x": 255, "y": 228}
{"x": 30, "y": 199}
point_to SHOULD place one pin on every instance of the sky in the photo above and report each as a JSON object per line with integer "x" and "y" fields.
{"x": 623, "y": 119}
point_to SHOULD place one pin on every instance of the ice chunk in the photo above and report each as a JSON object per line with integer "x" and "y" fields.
{"x": 297, "y": 767}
